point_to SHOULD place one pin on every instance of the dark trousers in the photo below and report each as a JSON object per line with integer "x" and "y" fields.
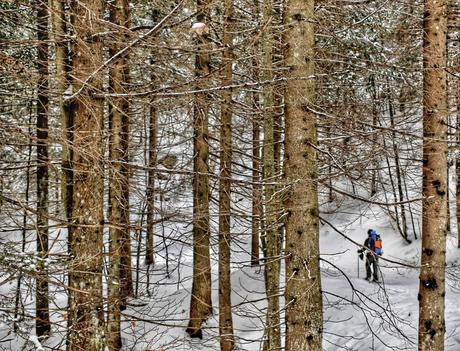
{"x": 372, "y": 260}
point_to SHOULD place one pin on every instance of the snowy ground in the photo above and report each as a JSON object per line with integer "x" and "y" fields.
{"x": 358, "y": 315}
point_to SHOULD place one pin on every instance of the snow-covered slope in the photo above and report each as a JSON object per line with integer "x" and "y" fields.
{"x": 359, "y": 315}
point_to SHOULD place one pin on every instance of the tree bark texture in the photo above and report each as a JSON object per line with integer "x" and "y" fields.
{"x": 434, "y": 204}
{"x": 257, "y": 192}
{"x": 42, "y": 322}
{"x": 85, "y": 272}
{"x": 399, "y": 176}
{"x": 453, "y": 10}
{"x": 120, "y": 281}
{"x": 272, "y": 237}
{"x": 375, "y": 163}
{"x": 257, "y": 209}
{"x": 152, "y": 163}
{"x": 201, "y": 304}
{"x": 63, "y": 80}
{"x": 278, "y": 91}
{"x": 63, "y": 62}
{"x": 457, "y": 160}
{"x": 227, "y": 342}
{"x": 304, "y": 312}
{"x": 18, "y": 298}
{"x": 153, "y": 130}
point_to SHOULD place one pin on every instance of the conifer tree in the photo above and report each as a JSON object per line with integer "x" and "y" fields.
{"x": 201, "y": 304}
{"x": 43, "y": 326}
{"x": 119, "y": 284}
{"x": 86, "y": 315}
{"x": 225, "y": 304}
{"x": 304, "y": 308}
{"x": 434, "y": 204}
{"x": 272, "y": 247}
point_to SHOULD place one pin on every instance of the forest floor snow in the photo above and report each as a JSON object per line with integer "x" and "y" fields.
{"x": 358, "y": 315}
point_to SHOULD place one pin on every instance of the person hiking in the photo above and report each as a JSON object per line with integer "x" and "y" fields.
{"x": 372, "y": 258}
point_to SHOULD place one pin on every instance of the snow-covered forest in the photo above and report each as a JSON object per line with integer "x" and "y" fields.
{"x": 210, "y": 175}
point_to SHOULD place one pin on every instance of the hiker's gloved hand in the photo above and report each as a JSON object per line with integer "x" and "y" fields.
{"x": 361, "y": 256}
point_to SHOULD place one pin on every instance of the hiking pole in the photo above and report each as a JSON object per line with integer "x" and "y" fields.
{"x": 358, "y": 265}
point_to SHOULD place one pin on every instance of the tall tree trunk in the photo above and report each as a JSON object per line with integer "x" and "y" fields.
{"x": 403, "y": 99}
{"x": 393, "y": 190}
{"x": 414, "y": 229}
{"x": 201, "y": 304}
{"x": 399, "y": 181}
{"x": 256, "y": 164}
{"x": 152, "y": 162}
{"x": 448, "y": 228}
{"x": 272, "y": 252}
{"x": 123, "y": 107}
{"x": 63, "y": 80}
{"x": 257, "y": 210}
{"x": 434, "y": 204}
{"x": 278, "y": 110}
{"x": 374, "y": 122}
{"x": 278, "y": 91}
{"x": 18, "y": 299}
{"x": 304, "y": 312}
{"x": 63, "y": 61}
{"x": 453, "y": 11}
{"x": 85, "y": 272}
{"x": 227, "y": 342}
{"x": 457, "y": 160}
{"x": 42, "y": 323}
{"x": 119, "y": 284}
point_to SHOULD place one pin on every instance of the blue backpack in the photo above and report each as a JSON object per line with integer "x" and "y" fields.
{"x": 378, "y": 245}
{"x": 375, "y": 243}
